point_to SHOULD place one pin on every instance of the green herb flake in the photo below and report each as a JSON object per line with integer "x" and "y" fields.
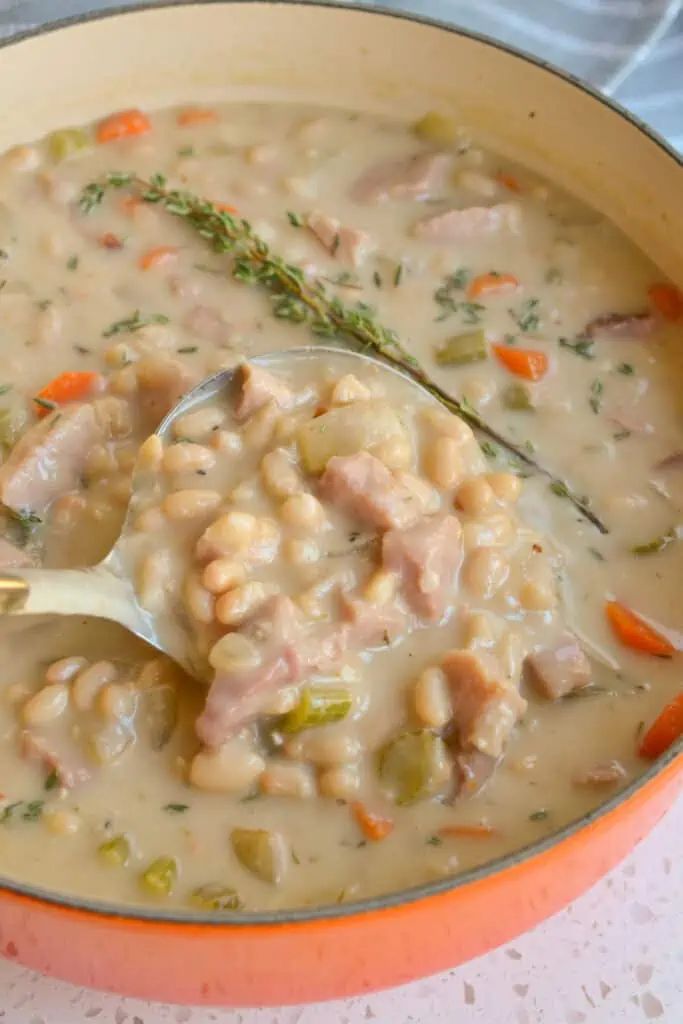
{"x": 187, "y": 350}
{"x": 628, "y": 369}
{"x": 52, "y": 781}
{"x": 296, "y": 220}
{"x": 176, "y": 808}
{"x": 595, "y": 398}
{"x": 657, "y": 544}
{"x": 553, "y": 275}
{"x": 559, "y": 488}
{"x": 398, "y": 274}
{"x": 434, "y": 841}
{"x": 186, "y": 151}
{"x": 597, "y": 555}
{"x": 82, "y": 350}
{"x": 8, "y": 811}
{"x": 527, "y": 316}
{"x": 44, "y": 403}
{"x": 33, "y": 810}
{"x": 4, "y": 388}
{"x": 134, "y": 323}
{"x": 4, "y": 255}
{"x": 72, "y": 263}
{"x": 489, "y": 449}
{"x": 539, "y": 815}
{"x": 377, "y": 279}
{"x": 580, "y": 346}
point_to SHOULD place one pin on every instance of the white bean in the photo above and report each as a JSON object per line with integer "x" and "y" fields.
{"x": 396, "y": 452}
{"x": 231, "y": 768}
{"x": 62, "y": 822}
{"x": 505, "y": 486}
{"x": 348, "y": 389}
{"x": 154, "y": 578}
{"x": 279, "y": 474}
{"x": 432, "y": 699}
{"x": 89, "y": 682}
{"x": 493, "y": 530}
{"x": 234, "y": 652}
{"x": 113, "y": 415}
{"x": 301, "y": 551}
{"x": 475, "y": 496}
{"x": 188, "y": 458}
{"x": 150, "y": 454}
{"x": 65, "y": 669}
{"x": 117, "y": 700}
{"x": 238, "y": 604}
{"x": 152, "y": 520}
{"x": 341, "y": 782}
{"x": 190, "y": 504}
{"x": 324, "y": 748}
{"x": 195, "y": 426}
{"x": 485, "y": 571}
{"x": 223, "y": 573}
{"x": 446, "y": 423}
{"x": 303, "y": 512}
{"x": 46, "y": 705}
{"x": 198, "y": 601}
{"x": 443, "y": 462}
{"x": 381, "y": 587}
{"x": 228, "y": 534}
{"x": 282, "y": 778}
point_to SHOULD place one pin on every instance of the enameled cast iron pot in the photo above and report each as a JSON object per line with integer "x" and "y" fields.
{"x": 374, "y": 61}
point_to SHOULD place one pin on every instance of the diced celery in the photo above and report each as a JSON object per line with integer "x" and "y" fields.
{"x": 115, "y": 851}
{"x": 159, "y": 878}
{"x": 435, "y": 127}
{"x": 346, "y": 430}
{"x": 413, "y": 766}
{"x": 318, "y": 705}
{"x": 461, "y": 349}
{"x": 518, "y": 397}
{"x": 214, "y": 896}
{"x": 261, "y": 851}
{"x": 67, "y": 142}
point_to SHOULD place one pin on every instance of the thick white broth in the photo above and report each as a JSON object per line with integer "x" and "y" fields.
{"x": 605, "y": 413}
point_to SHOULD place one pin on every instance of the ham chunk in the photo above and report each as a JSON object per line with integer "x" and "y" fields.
{"x": 68, "y": 767}
{"x": 258, "y": 388}
{"x": 12, "y": 557}
{"x": 621, "y": 325}
{"x": 414, "y": 177}
{"x": 605, "y": 774}
{"x": 373, "y": 625}
{"x": 474, "y": 771}
{"x": 470, "y": 224}
{"x": 49, "y": 459}
{"x": 349, "y": 245}
{"x": 363, "y": 487}
{"x": 485, "y": 708}
{"x": 426, "y": 558}
{"x": 207, "y": 322}
{"x": 556, "y": 671}
{"x": 162, "y": 383}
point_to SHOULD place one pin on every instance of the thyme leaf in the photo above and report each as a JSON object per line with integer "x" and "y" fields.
{"x": 132, "y": 323}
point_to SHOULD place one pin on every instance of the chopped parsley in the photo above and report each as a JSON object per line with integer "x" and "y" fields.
{"x": 580, "y": 346}
{"x": 595, "y": 398}
{"x": 377, "y": 279}
{"x": 133, "y": 323}
{"x": 434, "y": 841}
{"x": 527, "y": 317}
{"x": 52, "y": 781}
{"x": 489, "y": 449}
{"x": 539, "y": 815}
{"x": 72, "y": 263}
{"x": 176, "y": 808}
{"x": 295, "y": 219}
{"x": 187, "y": 350}
{"x": 398, "y": 274}
{"x": 628, "y": 369}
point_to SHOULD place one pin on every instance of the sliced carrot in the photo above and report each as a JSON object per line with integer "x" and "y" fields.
{"x": 122, "y": 125}
{"x": 635, "y": 633}
{"x": 664, "y": 731}
{"x": 110, "y": 241}
{"x": 196, "y": 115}
{"x": 491, "y": 284}
{"x": 130, "y": 204}
{"x": 158, "y": 256}
{"x": 667, "y": 300}
{"x": 509, "y": 181}
{"x": 225, "y": 207}
{"x": 468, "y": 831}
{"x": 373, "y": 826}
{"x": 67, "y": 387}
{"x": 523, "y": 362}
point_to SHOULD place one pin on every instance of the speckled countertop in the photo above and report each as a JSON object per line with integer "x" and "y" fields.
{"x": 614, "y": 956}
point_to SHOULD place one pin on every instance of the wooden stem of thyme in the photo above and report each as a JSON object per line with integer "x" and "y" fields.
{"x": 296, "y": 298}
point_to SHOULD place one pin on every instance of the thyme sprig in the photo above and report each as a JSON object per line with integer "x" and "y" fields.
{"x": 296, "y": 298}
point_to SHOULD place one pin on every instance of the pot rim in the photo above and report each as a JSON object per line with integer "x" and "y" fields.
{"x": 393, "y": 900}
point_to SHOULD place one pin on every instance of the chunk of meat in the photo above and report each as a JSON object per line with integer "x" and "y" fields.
{"x": 49, "y": 459}
{"x": 621, "y": 325}
{"x": 413, "y": 177}
{"x": 12, "y": 557}
{"x": 469, "y": 224}
{"x": 69, "y": 768}
{"x": 605, "y": 774}
{"x": 373, "y": 625}
{"x": 426, "y": 558}
{"x": 162, "y": 383}
{"x": 363, "y": 487}
{"x": 474, "y": 770}
{"x": 350, "y": 245}
{"x": 208, "y": 323}
{"x": 485, "y": 708}
{"x": 258, "y": 388}
{"x": 556, "y": 671}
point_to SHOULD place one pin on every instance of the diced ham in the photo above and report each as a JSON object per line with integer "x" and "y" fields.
{"x": 621, "y": 325}
{"x": 469, "y": 224}
{"x": 162, "y": 383}
{"x": 350, "y": 245}
{"x": 208, "y": 323}
{"x": 556, "y": 671}
{"x": 68, "y": 766}
{"x": 485, "y": 708}
{"x": 605, "y": 774}
{"x": 474, "y": 771}
{"x": 49, "y": 459}
{"x": 12, "y": 557}
{"x": 373, "y": 625}
{"x": 363, "y": 487}
{"x": 414, "y": 177}
{"x": 427, "y": 558}
{"x": 258, "y": 388}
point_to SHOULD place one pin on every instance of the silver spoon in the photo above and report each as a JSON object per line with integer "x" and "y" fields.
{"x": 105, "y": 591}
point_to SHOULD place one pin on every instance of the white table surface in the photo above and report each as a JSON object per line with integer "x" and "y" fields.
{"x": 615, "y": 956}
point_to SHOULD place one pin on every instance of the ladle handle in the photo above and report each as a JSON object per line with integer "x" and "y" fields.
{"x": 95, "y": 592}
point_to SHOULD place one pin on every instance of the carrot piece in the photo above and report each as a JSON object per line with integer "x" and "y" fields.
{"x": 509, "y": 181}
{"x": 523, "y": 362}
{"x": 491, "y": 284}
{"x": 635, "y": 633}
{"x": 67, "y": 387}
{"x": 225, "y": 207}
{"x": 667, "y": 300}
{"x": 123, "y": 124}
{"x": 196, "y": 115}
{"x": 464, "y": 831}
{"x": 373, "y": 826}
{"x": 110, "y": 241}
{"x": 158, "y": 256}
{"x": 664, "y": 731}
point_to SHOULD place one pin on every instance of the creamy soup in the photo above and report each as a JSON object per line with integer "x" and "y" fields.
{"x": 419, "y": 650}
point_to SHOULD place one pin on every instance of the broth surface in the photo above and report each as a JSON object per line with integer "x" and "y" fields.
{"x": 135, "y": 303}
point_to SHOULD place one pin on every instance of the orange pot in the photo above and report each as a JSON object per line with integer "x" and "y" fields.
{"x": 209, "y": 51}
